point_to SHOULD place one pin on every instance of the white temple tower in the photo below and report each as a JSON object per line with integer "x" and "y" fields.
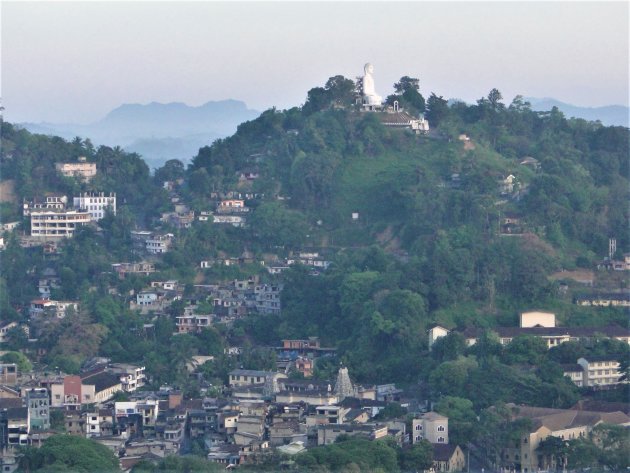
{"x": 344, "y": 387}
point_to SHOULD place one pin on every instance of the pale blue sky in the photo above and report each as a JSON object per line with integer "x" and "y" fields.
{"x": 75, "y": 61}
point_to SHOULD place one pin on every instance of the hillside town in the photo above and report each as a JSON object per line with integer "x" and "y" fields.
{"x": 222, "y": 316}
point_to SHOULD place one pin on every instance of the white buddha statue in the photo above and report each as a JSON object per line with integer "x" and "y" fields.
{"x": 370, "y": 97}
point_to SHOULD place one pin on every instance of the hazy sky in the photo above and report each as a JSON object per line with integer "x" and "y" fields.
{"x": 75, "y": 61}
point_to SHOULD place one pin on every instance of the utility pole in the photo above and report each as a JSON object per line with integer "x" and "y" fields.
{"x": 468, "y": 459}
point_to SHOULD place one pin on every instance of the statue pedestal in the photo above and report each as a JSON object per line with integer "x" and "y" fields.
{"x": 372, "y": 102}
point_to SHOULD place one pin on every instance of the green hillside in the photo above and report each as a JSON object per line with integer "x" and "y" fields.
{"x": 430, "y": 243}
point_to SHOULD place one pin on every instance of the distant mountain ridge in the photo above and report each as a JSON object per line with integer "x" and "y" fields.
{"x": 609, "y": 115}
{"x": 158, "y": 131}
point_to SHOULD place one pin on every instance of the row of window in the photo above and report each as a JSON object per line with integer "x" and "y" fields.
{"x": 601, "y": 372}
{"x": 259, "y": 379}
{"x": 86, "y": 396}
{"x": 439, "y": 429}
{"x": 439, "y": 440}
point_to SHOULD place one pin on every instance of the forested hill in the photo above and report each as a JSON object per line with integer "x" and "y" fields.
{"x": 331, "y": 161}
{"x": 433, "y": 242}
{"x": 462, "y": 227}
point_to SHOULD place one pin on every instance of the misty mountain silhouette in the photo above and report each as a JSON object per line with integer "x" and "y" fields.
{"x": 609, "y": 115}
{"x": 158, "y": 131}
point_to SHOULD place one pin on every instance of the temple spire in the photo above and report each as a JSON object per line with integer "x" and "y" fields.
{"x": 344, "y": 387}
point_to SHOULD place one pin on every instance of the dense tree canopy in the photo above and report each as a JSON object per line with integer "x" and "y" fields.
{"x": 69, "y": 453}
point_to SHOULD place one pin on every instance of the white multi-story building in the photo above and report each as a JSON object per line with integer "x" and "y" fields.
{"x": 148, "y": 408}
{"x": 600, "y": 370}
{"x": 146, "y": 298}
{"x": 132, "y": 377}
{"x": 96, "y": 204}
{"x": 57, "y": 223}
{"x": 158, "y": 244}
{"x": 49, "y": 307}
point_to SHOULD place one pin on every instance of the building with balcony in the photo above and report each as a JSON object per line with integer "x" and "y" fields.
{"x": 158, "y": 244}
{"x": 57, "y": 223}
{"x": 600, "y": 371}
{"x": 192, "y": 323}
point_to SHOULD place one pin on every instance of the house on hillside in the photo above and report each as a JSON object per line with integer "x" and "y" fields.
{"x": 564, "y": 424}
{"x": 82, "y": 169}
{"x": 430, "y": 426}
{"x": 599, "y": 371}
{"x": 436, "y": 331}
{"x": 554, "y": 336}
{"x": 448, "y": 458}
{"x": 616, "y": 299}
{"x": 158, "y": 244}
{"x": 574, "y": 372}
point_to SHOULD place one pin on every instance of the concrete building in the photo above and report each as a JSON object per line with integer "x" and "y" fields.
{"x": 448, "y": 458}
{"x": 430, "y": 426}
{"x": 105, "y": 385}
{"x": 554, "y": 336}
{"x": 57, "y": 223}
{"x": 148, "y": 409}
{"x": 51, "y": 308}
{"x": 192, "y": 323}
{"x": 564, "y": 424}
{"x": 8, "y": 373}
{"x": 38, "y": 405}
{"x": 95, "y": 204}
{"x": 600, "y": 371}
{"x": 435, "y": 332}
{"x": 158, "y": 244}
{"x": 574, "y": 372}
{"x": 82, "y": 170}
{"x": 4, "y": 329}
{"x": 234, "y": 220}
{"x": 311, "y": 397}
{"x": 327, "y": 434}
{"x": 268, "y": 298}
{"x": 143, "y": 268}
{"x": 71, "y": 393}
{"x": 98, "y": 422}
{"x": 53, "y": 202}
{"x": 131, "y": 376}
{"x": 250, "y": 377}
{"x": 614, "y": 299}
{"x": 14, "y": 427}
{"x": 232, "y": 206}
{"x": 537, "y": 319}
